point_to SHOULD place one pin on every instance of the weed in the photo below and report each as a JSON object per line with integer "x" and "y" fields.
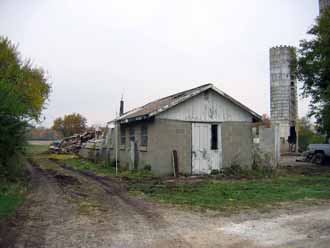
{"x": 11, "y": 197}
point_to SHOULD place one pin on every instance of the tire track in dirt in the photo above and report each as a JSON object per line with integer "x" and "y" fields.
{"x": 30, "y": 224}
{"x": 135, "y": 218}
{"x": 54, "y": 215}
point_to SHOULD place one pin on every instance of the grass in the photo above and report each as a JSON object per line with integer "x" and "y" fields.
{"x": 11, "y": 197}
{"x": 108, "y": 170}
{"x": 85, "y": 165}
{"x": 35, "y": 149}
{"x": 12, "y": 192}
{"x": 239, "y": 194}
{"x": 260, "y": 189}
{"x": 100, "y": 169}
{"x": 38, "y": 152}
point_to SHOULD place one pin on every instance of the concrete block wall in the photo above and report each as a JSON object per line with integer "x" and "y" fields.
{"x": 171, "y": 135}
{"x": 237, "y": 144}
{"x": 143, "y": 155}
{"x": 164, "y": 136}
{"x": 268, "y": 149}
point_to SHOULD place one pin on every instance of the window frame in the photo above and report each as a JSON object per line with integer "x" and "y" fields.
{"x": 214, "y": 137}
{"x": 132, "y": 134}
{"x": 144, "y": 135}
{"x": 122, "y": 136}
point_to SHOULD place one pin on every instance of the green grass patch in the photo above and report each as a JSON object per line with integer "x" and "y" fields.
{"x": 11, "y": 197}
{"x": 85, "y": 165}
{"x": 260, "y": 188}
{"x": 101, "y": 169}
{"x": 36, "y": 149}
{"x": 238, "y": 194}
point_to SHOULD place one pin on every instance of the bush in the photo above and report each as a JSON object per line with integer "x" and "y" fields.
{"x": 12, "y": 141}
{"x": 233, "y": 170}
{"x": 215, "y": 172}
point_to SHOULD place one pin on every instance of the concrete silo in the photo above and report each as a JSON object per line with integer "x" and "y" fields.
{"x": 283, "y": 95}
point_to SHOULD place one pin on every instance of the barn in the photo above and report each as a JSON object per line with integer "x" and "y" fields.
{"x": 191, "y": 132}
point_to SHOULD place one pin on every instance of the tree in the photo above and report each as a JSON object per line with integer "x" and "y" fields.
{"x": 70, "y": 124}
{"x": 307, "y": 134}
{"x": 58, "y": 125}
{"x": 313, "y": 69}
{"x": 23, "y": 93}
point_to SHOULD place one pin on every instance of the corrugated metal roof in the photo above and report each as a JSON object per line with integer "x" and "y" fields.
{"x": 153, "y": 108}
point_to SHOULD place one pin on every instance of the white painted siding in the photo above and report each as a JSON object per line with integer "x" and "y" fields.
{"x": 207, "y": 107}
{"x": 204, "y": 159}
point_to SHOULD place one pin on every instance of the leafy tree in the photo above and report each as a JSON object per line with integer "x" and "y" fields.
{"x": 58, "y": 125}
{"x": 313, "y": 69}
{"x": 23, "y": 93}
{"x": 307, "y": 134}
{"x": 70, "y": 124}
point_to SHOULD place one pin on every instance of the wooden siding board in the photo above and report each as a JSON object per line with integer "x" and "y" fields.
{"x": 213, "y": 108}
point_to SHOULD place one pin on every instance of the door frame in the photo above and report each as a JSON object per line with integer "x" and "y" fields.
{"x": 219, "y": 150}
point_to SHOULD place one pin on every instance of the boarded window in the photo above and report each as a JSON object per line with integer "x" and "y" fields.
{"x": 132, "y": 134}
{"x": 144, "y": 136}
{"x": 214, "y": 137}
{"x": 122, "y": 136}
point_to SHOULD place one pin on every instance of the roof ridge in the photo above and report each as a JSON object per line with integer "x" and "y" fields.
{"x": 166, "y": 97}
{"x": 179, "y": 93}
{"x": 162, "y": 104}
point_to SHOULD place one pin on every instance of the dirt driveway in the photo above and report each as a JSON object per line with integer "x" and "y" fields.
{"x": 68, "y": 209}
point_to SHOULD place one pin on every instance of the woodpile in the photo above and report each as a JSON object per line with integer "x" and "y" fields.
{"x": 73, "y": 143}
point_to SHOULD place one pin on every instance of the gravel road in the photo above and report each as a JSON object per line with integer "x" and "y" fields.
{"x": 69, "y": 209}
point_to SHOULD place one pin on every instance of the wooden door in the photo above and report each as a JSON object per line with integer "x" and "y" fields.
{"x": 206, "y": 156}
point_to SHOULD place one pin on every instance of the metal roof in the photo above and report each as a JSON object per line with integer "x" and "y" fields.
{"x": 155, "y": 107}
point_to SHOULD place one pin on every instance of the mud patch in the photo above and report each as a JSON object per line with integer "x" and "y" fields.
{"x": 65, "y": 180}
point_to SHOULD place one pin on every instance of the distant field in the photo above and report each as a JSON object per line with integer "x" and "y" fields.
{"x": 40, "y": 142}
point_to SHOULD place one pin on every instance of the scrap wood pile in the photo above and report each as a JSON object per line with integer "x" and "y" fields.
{"x": 73, "y": 143}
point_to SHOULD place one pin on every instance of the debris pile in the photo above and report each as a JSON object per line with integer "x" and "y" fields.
{"x": 73, "y": 143}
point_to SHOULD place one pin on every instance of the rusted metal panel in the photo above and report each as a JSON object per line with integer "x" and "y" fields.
{"x": 207, "y": 107}
{"x": 204, "y": 159}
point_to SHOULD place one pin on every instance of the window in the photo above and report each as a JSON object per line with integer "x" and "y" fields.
{"x": 214, "y": 137}
{"x": 122, "y": 136}
{"x": 144, "y": 136}
{"x": 132, "y": 134}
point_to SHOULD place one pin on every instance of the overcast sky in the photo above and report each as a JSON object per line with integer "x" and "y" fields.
{"x": 95, "y": 51}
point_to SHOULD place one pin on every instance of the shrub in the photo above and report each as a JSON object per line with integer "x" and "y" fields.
{"x": 233, "y": 170}
{"x": 215, "y": 172}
